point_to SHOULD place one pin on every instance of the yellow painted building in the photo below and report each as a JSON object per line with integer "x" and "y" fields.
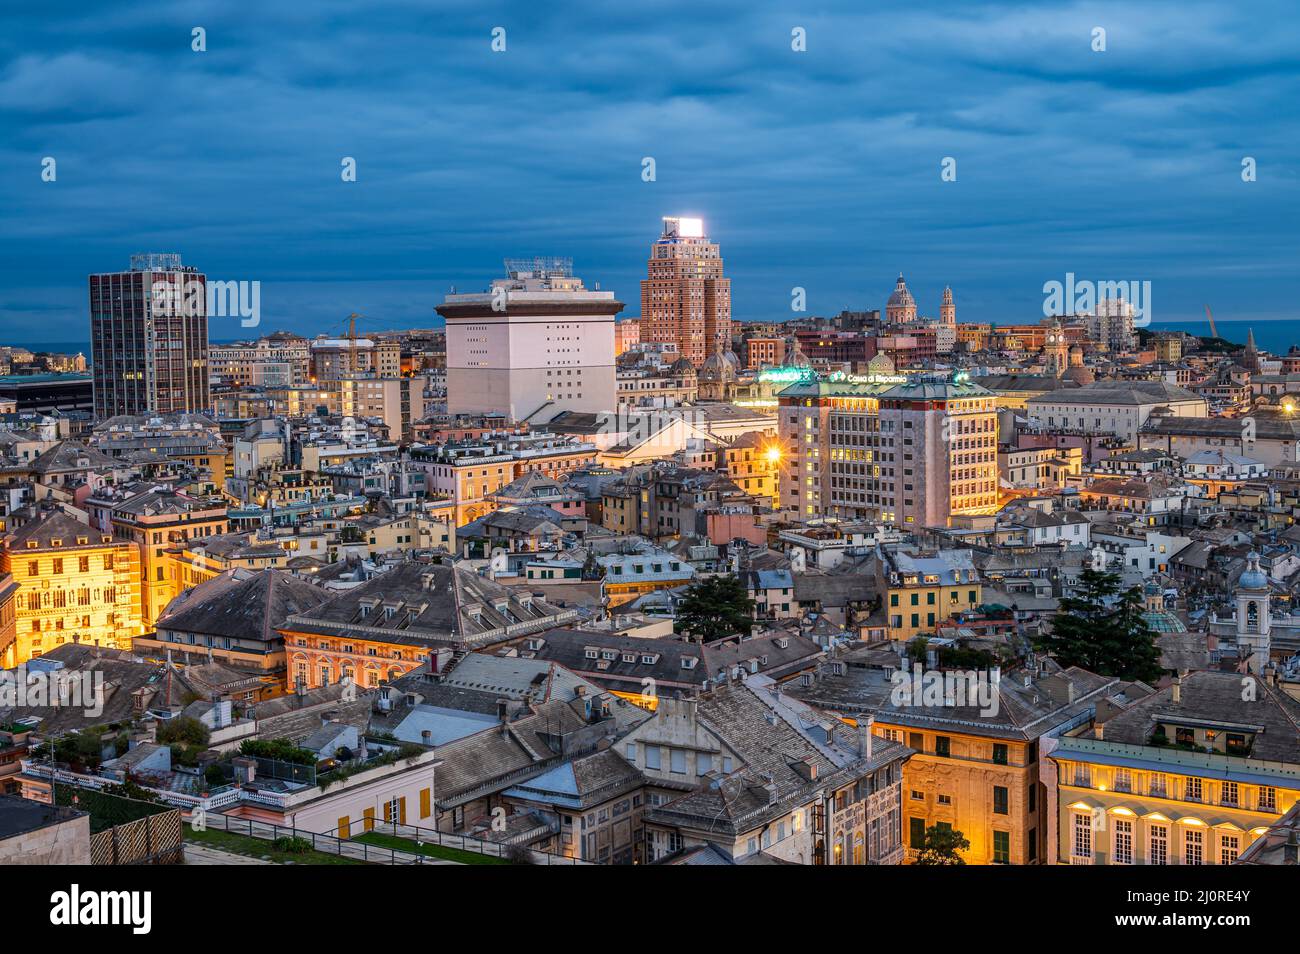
{"x": 753, "y": 461}
{"x": 75, "y": 583}
{"x": 157, "y": 521}
{"x": 985, "y": 786}
{"x": 1190, "y": 775}
{"x": 922, "y": 592}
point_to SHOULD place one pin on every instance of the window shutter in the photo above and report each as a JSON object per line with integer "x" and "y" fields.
{"x": 401, "y": 808}
{"x": 424, "y": 803}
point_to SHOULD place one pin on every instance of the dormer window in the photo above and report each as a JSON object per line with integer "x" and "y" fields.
{"x": 688, "y": 662}
{"x": 629, "y": 657}
{"x": 649, "y": 659}
{"x": 591, "y": 652}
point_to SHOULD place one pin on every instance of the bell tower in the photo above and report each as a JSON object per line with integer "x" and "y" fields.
{"x": 1253, "y": 617}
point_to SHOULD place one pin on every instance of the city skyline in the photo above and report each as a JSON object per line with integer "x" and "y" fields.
{"x": 818, "y": 169}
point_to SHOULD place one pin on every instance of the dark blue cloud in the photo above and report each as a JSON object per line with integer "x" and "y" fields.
{"x": 817, "y": 169}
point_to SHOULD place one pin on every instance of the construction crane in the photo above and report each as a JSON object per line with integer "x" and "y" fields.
{"x": 352, "y": 342}
{"x": 1210, "y": 318}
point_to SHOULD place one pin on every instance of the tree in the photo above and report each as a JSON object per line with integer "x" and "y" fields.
{"x": 916, "y": 649}
{"x": 941, "y": 846}
{"x": 716, "y": 608}
{"x": 1103, "y": 631}
{"x": 184, "y": 729}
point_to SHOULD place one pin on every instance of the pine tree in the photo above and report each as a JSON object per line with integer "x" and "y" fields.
{"x": 1103, "y": 631}
{"x": 716, "y": 608}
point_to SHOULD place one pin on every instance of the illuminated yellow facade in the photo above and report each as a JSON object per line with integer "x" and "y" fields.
{"x": 75, "y": 583}
{"x": 1177, "y": 808}
{"x": 984, "y": 786}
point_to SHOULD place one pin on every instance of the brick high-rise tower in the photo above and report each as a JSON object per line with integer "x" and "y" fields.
{"x": 685, "y": 300}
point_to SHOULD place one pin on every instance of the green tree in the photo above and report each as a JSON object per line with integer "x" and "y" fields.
{"x": 716, "y": 608}
{"x": 184, "y": 730}
{"x": 942, "y": 846}
{"x": 1103, "y": 630}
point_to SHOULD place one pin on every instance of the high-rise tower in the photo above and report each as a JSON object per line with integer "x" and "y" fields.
{"x": 685, "y": 300}
{"x": 149, "y": 338}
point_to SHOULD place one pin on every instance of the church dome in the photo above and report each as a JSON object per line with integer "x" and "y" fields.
{"x": 1253, "y": 578}
{"x": 901, "y": 298}
{"x": 717, "y": 367}
{"x": 794, "y": 356}
{"x": 682, "y": 366}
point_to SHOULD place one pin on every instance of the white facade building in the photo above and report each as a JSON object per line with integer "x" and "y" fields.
{"x": 535, "y": 344}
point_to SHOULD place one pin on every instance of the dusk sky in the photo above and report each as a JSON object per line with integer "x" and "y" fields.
{"x": 818, "y": 169}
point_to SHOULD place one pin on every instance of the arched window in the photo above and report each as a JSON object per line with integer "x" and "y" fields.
{"x": 1252, "y": 617}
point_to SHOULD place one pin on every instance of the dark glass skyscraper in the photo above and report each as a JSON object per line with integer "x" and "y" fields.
{"x": 149, "y": 338}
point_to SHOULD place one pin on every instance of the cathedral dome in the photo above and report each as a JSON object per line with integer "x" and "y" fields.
{"x": 901, "y": 298}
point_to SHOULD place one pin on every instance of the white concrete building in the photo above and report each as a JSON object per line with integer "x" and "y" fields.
{"x": 1112, "y": 407}
{"x": 535, "y": 344}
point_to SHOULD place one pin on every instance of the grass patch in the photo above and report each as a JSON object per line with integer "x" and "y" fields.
{"x": 261, "y": 848}
{"x": 380, "y": 840}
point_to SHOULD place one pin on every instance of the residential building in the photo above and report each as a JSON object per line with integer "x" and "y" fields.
{"x": 76, "y": 584}
{"x": 1191, "y": 775}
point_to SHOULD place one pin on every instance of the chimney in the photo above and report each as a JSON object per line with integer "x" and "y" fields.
{"x": 426, "y": 737}
{"x": 1099, "y": 731}
{"x": 1178, "y": 690}
{"x": 865, "y": 724}
{"x": 1069, "y": 691}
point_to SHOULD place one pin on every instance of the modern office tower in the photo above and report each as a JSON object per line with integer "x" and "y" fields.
{"x": 149, "y": 338}
{"x": 685, "y": 300}
{"x": 912, "y": 454}
{"x": 534, "y": 344}
{"x": 939, "y": 443}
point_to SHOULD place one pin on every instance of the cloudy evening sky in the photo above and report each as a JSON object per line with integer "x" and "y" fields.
{"x": 818, "y": 169}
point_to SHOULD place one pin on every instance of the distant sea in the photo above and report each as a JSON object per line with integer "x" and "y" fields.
{"x": 1276, "y": 337}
